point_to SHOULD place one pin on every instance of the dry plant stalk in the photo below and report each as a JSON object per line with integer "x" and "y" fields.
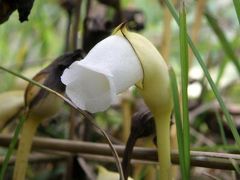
{"x": 198, "y": 158}
{"x": 167, "y": 34}
{"x": 196, "y": 26}
{"x": 76, "y": 22}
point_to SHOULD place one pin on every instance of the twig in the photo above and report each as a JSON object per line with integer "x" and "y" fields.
{"x": 37, "y": 157}
{"x": 210, "y": 176}
{"x": 73, "y": 111}
{"x": 68, "y": 29}
{"x": 198, "y": 158}
{"x": 76, "y": 23}
{"x": 72, "y": 120}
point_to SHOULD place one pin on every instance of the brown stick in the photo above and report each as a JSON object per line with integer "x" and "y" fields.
{"x": 198, "y": 158}
{"x": 196, "y": 26}
{"x": 166, "y": 35}
{"x": 72, "y": 120}
{"x": 37, "y": 158}
{"x": 76, "y": 23}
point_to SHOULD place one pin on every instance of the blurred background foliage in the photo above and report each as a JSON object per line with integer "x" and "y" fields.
{"x": 40, "y": 40}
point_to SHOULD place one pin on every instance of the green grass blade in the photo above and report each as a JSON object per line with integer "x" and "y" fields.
{"x": 184, "y": 82}
{"x": 220, "y": 124}
{"x": 217, "y": 94}
{"x": 227, "y": 48}
{"x": 237, "y": 9}
{"x": 221, "y": 72}
{"x": 11, "y": 147}
{"x": 210, "y": 80}
{"x": 176, "y": 106}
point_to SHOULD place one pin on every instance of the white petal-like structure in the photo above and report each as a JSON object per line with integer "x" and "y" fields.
{"x": 109, "y": 68}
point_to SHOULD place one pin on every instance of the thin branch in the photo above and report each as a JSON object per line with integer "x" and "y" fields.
{"x": 72, "y": 123}
{"x": 37, "y": 157}
{"x": 76, "y": 23}
{"x": 211, "y": 176}
{"x": 198, "y": 158}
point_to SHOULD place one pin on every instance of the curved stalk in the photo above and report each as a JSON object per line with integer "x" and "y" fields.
{"x": 24, "y": 147}
{"x": 163, "y": 144}
{"x": 127, "y": 155}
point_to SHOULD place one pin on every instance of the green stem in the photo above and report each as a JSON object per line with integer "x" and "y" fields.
{"x": 184, "y": 81}
{"x": 178, "y": 120}
{"x": 24, "y": 148}
{"x": 11, "y": 147}
{"x": 163, "y": 143}
{"x": 237, "y": 9}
